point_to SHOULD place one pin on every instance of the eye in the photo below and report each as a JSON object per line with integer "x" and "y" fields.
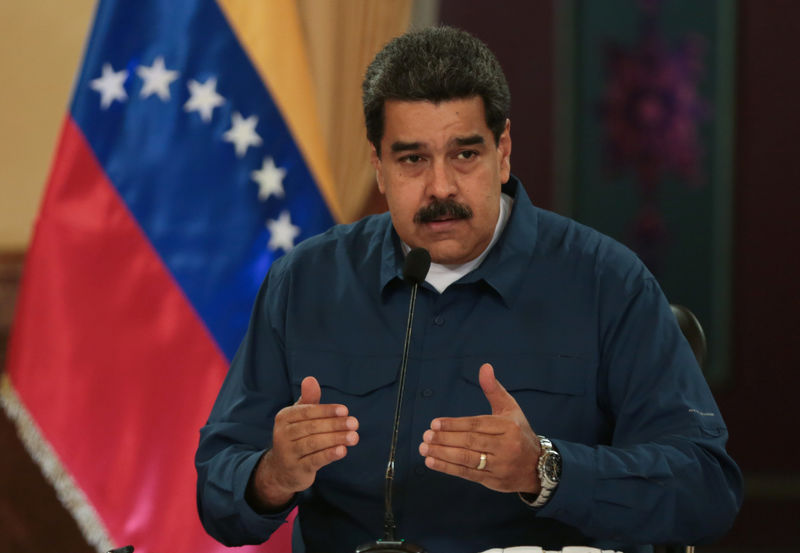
{"x": 467, "y": 154}
{"x": 411, "y": 159}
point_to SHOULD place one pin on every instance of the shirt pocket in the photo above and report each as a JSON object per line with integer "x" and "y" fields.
{"x": 556, "y": 393}
{"x": 360, "y": 382}
{"x": 366, "y": 385}
{"x": 535, "y": 372}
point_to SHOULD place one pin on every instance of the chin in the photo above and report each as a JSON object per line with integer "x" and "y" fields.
{"x": 447, "y": 257}
{"x": 448, "y": 251}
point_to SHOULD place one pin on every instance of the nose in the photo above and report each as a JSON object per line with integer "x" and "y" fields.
{"x": 441, "y": 181}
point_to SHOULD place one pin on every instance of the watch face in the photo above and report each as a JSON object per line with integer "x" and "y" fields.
{"x": 552, "y": 466}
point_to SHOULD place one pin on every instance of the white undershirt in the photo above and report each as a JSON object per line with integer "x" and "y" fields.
{"x": 441, "y": 276}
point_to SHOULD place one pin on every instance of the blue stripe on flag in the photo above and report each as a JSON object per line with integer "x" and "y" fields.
{"x": 193, "y": 196}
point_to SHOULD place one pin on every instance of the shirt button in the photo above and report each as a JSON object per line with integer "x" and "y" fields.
{"x": 427, "y": 392}
{"x": 438, "y": 320}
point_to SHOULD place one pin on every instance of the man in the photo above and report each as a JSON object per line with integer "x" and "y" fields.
{"x": 528, "y": 325}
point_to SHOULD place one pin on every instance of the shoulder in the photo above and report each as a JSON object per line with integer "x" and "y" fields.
{"x": 587, "y": 251}
{"x": 564, "y": 248}
{"x": 340, "y": 245}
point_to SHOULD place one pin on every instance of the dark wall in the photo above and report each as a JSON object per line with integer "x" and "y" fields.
{"x": 761, "y": 405}
{"x": 767, "y": 214}
{"x": 520, "y": 33}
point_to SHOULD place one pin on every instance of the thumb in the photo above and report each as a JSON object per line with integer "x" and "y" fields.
{"x": 309, "y": 391}
{"x": 501, "y": 401}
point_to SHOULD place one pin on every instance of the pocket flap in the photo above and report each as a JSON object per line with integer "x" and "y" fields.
{"x": 353, "y": 375}
{"x": 544, "y": 373}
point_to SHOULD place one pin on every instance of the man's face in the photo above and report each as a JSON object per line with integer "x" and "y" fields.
{"x": 441, "y": 172}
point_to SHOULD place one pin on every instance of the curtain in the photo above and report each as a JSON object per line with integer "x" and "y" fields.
{"x": 342, "y": 39}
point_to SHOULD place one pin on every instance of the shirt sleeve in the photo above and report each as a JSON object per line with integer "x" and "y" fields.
{"x": 665, "y": 477}
{"x": 239, "y": 429}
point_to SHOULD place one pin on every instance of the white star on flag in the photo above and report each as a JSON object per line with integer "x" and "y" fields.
{"x": 242, "y": 133}
{"x": 269, "y": 179}
{"x": 110, "y": 85}
{"x": 157, "y": 79}
{"x": 204, "y": 98}
{"x": 282, "y": 232}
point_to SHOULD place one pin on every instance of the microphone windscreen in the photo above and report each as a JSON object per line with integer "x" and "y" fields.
{"x": 415, "y": 269}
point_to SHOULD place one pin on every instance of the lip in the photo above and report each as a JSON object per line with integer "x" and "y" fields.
{"x": 442, "y": 225}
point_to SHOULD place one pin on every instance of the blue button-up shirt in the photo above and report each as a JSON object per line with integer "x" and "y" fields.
{"x": 578, "y": 332}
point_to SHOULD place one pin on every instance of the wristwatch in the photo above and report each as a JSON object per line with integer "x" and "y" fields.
{"x": 549, "y": 469}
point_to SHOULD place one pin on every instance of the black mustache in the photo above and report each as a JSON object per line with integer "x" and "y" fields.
{"x": 438, "y": 209}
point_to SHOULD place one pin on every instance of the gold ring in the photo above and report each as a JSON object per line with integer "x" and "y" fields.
{"x": 482, "y": 463}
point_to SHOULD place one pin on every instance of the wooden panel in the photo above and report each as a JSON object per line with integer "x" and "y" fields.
{"x": 31, "y": 517}
{"x": 10, "y": 272}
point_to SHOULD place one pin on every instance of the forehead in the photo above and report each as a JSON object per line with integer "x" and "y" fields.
{"x": 424, "y": 121}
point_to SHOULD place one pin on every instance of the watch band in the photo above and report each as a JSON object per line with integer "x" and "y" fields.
{"x": 549, "y": 469}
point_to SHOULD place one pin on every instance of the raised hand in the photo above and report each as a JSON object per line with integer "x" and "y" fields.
{"x": 306, "y": 436}
{"x": 511, "y": 447}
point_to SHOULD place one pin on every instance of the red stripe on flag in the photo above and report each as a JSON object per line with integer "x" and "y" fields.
{"x": 112, "y": 362}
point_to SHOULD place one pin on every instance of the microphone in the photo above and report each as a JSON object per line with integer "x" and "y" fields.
{"x": 415, "y": 268}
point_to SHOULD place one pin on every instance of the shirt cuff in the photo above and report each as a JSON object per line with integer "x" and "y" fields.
{"x": 529, "y": 498}
{"x": 255, "y": 522}
{"x": 573, "y": 498}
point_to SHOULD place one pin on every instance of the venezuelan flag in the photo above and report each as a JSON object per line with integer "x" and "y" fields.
{"x": 189, "y": 160}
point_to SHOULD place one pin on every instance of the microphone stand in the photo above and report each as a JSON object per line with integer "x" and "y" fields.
{"x": 416, "y": 268}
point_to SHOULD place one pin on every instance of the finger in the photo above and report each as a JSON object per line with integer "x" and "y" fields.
{"x": 500, "y": 400}
{"x": 312, "y": 463}
{"x": 311, "y": 445}
{"x": 300, "y": 412}
{"x": 310, "y": 392}
{"x": 454, "y": 469}
{"x": 309, "y": 427}
{"x": 465, "y": 440}
{"x": 466, "y": 458}
{"x": 485, "y": 477}
{"x": 483, "y": 424}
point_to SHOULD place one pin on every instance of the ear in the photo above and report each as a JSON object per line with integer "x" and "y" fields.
{"x": 375, "y": 160}
{"x": 504, "y": 149}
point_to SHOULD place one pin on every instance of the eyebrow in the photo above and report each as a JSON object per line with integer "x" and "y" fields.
{"x": 405, "y": 146}
{"x": 469, "y": 140}
{"x": 459, "y": 141}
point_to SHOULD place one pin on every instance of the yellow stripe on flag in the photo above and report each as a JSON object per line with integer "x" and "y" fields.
{"x": 271, "y": 34}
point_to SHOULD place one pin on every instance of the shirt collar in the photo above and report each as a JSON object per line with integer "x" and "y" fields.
{"x": 392, "y": 256}
{"x": 501, "y": 268}
{"x": 441, "y": 277}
